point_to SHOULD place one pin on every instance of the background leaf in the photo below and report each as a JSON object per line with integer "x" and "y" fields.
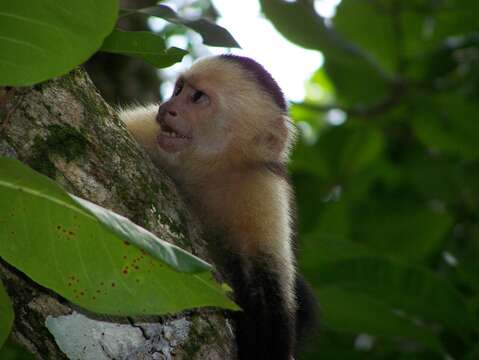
{"x": 447, "y": 124}
{"x": 212, "y": 34}
{"x": 350, "y": 311}
{"x": 44, "y": 38}
{"x": 416, "y": 291}
{"x": 346, "y": 63}
{"x": 144, "y": 45}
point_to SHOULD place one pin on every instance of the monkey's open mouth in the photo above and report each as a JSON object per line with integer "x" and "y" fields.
{"x": 171, "y": 139}
{"x": 168, "y": 131}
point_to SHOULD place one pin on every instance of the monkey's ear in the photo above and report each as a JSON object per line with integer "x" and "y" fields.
{"x": 278, "y": 139}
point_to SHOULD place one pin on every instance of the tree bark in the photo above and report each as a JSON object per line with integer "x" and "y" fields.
{"x": 65, "y": 130}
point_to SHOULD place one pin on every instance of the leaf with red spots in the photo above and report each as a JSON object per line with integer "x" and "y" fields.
{"x": 77, "y": 249}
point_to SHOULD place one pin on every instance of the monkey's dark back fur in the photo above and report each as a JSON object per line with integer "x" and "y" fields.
{"x": 265, "y": 330}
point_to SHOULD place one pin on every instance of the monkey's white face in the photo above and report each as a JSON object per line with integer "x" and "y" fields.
{"x": 218, "y": 113}
{"x": 187, "y": 120}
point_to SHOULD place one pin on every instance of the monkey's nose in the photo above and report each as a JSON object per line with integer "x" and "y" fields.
{"x": 172, "y": 113}
{"x": 162, "y": 110}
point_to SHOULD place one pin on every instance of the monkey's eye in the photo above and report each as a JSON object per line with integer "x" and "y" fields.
{"x": 199, "y": 96}
{"x": 178, "y": 88}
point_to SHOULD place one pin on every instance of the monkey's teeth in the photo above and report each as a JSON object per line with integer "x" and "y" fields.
{"x": 173, "y": 134}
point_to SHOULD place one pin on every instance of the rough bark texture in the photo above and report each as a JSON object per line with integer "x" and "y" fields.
{"x": 64, "y": 129}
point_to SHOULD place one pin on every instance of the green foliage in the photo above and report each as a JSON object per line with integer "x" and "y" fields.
{"x": 444, "y": 123}
{"x": 347, "y": 64}
{"x": 143, "y": 44}
{"x": 12, "y": 351}
{"x": 348, "y": 310}
{"x": 41, "y": 39}
{"x": 6, "y": 315}
{"x": 417, "y": 292}
{"x": 212, "y": 34}
{"x": 47, "y": 38}
{"x": 91, "y": 261}
{"x": 389, "y": 199}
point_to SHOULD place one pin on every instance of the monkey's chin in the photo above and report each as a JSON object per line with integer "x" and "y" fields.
{"x": 172, "y": 144}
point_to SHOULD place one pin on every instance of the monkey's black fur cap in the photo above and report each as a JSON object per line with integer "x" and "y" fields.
{"x": 263, "y": 77}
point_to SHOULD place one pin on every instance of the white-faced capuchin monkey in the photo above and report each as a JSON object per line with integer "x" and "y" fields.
{"x": 224, "y": 136}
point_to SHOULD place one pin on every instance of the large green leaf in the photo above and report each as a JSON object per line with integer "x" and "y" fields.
{"x": 447, "y": 122}
{"x": 414, "y": 290}
{"x": 344, "y": 266}
{"x": 356, "y": 85}
{"x": 397, "y": 32}
{"x": 399, "y": 225}
{"x": 319, "y": 88}
{"x": 75, "y": 248}
{"x": 6, "y": 315}
{"x": 45, "y": 38}
{"x": 365, "y": 23}
{"x": 341, "y": 150}
{"x": 351, "y": 311}
{"x": 298, "y": 22}
{"x": 212, "y": 34}
{"x": 143, "y": 44}
{"x": 346, "y": 305}
{"x": 422, "y": 171}
{"x": 473, "y": 353}
{"x": 454, "y": 18}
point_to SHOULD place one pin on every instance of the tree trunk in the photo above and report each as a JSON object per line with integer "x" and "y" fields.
{"x": 63, "y": 129}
